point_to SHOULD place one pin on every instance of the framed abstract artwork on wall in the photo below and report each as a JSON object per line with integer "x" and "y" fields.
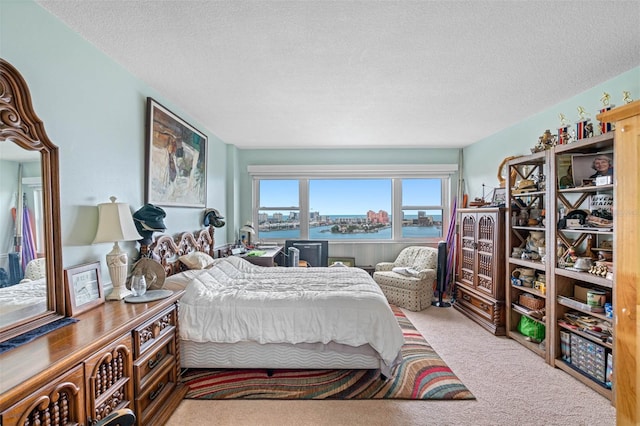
{"x": 176, "y": 160}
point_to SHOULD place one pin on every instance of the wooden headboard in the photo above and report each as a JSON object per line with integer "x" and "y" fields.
{"x": 166, "y": 249}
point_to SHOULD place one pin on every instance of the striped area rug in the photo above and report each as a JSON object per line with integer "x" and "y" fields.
{"x": 421, "y": 375}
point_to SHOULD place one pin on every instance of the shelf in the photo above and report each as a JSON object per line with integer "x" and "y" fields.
{"x": 529, "y": 228}
{"x": 599, "y": 315}
{"x": 582, "y": 377}
{"x": 587, "y": 146}
{"x": 585, "y": 277}
{"x": 587, "y": 336}
{"x": 527, "y": 263}
{"x": 525, "y": 311}
{"x": 581, "y": 189}
{"x": 536, "y": 158}
{"x": 586, "y": 231}
{"x": 530, "y": 290}
{"x": 528, "y": 194}
{"x": 532, "y": 346}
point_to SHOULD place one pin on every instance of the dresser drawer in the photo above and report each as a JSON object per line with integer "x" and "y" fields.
{"x": 478, "y": 305}
{"x": 157, "y": 391}
{"x": 156, "y": 359}
{"x": 153, "y": 330}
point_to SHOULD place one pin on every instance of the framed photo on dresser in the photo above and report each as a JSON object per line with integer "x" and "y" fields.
{"x": 83, "y": 287}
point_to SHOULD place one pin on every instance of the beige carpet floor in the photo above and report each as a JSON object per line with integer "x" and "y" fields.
{"x": 512, "y": 385}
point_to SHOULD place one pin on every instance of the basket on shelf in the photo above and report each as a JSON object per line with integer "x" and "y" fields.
{"x": 531, "y": 302}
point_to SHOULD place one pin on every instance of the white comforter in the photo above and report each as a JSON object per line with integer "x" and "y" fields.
{"x": 236, "y": 301}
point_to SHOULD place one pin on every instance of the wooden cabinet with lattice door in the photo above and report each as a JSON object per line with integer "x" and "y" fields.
{"x": 480, "y": 271}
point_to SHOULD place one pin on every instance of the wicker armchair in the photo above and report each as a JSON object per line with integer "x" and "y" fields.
{"x": 408, "y": 281}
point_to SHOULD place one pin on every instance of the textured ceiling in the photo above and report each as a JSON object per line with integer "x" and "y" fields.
{"x": 282, "y": 74}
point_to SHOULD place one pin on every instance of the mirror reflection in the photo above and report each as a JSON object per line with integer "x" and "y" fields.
{"x": 23, "y": 281}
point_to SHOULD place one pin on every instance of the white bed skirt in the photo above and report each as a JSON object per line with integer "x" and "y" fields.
{"x": 272, "y": 356}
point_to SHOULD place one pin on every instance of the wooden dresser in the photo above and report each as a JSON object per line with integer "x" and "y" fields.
{"x": 480, "y": 290}
{"x": 117, "y": 355}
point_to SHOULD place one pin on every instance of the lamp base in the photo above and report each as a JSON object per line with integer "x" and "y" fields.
{"x": 117, "y": 261}
{"x": 119, "y": 293}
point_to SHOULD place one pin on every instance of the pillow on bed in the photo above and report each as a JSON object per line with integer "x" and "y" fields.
{"x": 196, "y": 260}
{"x": 410, "y": 272}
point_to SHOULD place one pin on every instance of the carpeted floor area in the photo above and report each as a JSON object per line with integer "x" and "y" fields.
{"x": 512, "y": 386}
{"x": 422, "y": 374}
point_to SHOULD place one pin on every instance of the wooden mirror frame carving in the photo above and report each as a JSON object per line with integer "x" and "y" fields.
{"x": 20, "y": 124}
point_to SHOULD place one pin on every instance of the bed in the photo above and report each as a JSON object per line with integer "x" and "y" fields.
{"x": 27, "y": 298}
{"x": 238, "y": 315}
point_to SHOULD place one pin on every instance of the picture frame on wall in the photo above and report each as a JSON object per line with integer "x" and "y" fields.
{"x": 342, "y": 261}
{"x": 83, "y": 288}
{"x": 499, "y": 196}
{"x": 176, "y": 160}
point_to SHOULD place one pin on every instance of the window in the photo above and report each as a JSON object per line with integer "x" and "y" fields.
{"x": 351, "y": 203}
{"x": 422, "y": 208}
{"x": 279, "y": 212}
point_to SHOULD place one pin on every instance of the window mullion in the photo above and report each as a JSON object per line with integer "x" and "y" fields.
{"x": 304, "y": 208}
{"x": 396, "y": 208}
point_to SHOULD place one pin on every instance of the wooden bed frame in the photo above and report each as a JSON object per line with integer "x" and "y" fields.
{"x": 166, "y": 249}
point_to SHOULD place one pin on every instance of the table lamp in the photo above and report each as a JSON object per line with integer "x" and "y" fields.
{"x": 248, "y": 228}
{"x": 115, "y": 224}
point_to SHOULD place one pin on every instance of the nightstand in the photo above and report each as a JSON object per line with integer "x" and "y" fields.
{"x": 267, "y": 259}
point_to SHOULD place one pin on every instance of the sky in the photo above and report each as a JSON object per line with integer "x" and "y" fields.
{"x": 349, "y": 196}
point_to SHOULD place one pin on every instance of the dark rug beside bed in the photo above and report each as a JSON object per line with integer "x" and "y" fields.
{"x": 421, "y": 375}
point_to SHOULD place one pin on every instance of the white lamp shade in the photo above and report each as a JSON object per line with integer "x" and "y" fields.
{"x": 115, "y": 223}
{"x": 248, "y": 227}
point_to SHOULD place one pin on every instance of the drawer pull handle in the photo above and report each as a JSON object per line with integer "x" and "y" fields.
{"x": 466, "y": 297}
{"x": 484, "y": 306}
{"x": 153, "y": 395}
{"x": 154, "y": 362}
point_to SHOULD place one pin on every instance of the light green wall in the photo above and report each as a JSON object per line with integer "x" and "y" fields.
{"x": 481, "y": 160}
{"x": 94, "y": 110}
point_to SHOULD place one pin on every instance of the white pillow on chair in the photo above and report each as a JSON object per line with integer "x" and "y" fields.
{"x": 409, "y": 272}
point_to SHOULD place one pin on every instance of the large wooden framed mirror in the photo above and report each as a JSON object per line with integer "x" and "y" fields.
{"x": 31, "y": 280}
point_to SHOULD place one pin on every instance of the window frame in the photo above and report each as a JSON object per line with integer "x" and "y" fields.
{"x": 395, "y": 173}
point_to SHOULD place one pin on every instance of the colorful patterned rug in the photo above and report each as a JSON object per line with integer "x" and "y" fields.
{"x": 421, "y": 375}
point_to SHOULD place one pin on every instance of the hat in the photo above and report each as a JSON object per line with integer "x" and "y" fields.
{"x": 213, "y": 217}
{"x": 150, "y": 218}
{"x": 153, "y": 272}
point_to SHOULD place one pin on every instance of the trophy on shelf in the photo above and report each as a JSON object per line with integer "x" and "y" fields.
{"x": 626, "y": 97}
{"x": 563, "y": 131}
{"x": 584, "y": 127}
{"x": 606, "y": 106}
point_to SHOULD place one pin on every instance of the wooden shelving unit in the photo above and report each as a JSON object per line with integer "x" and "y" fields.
{"x": 532, "y": 203}
{"x": 564, "y": 335}
{"x": 565, "y": 279}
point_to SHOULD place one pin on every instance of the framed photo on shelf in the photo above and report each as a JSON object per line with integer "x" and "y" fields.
{"x": 587, "y": 167}
{"x": 176, "y": 163}
{"x": 346, "y": 261}
{"x": 83, "y": 288}
{"x": 499, "y": 196}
